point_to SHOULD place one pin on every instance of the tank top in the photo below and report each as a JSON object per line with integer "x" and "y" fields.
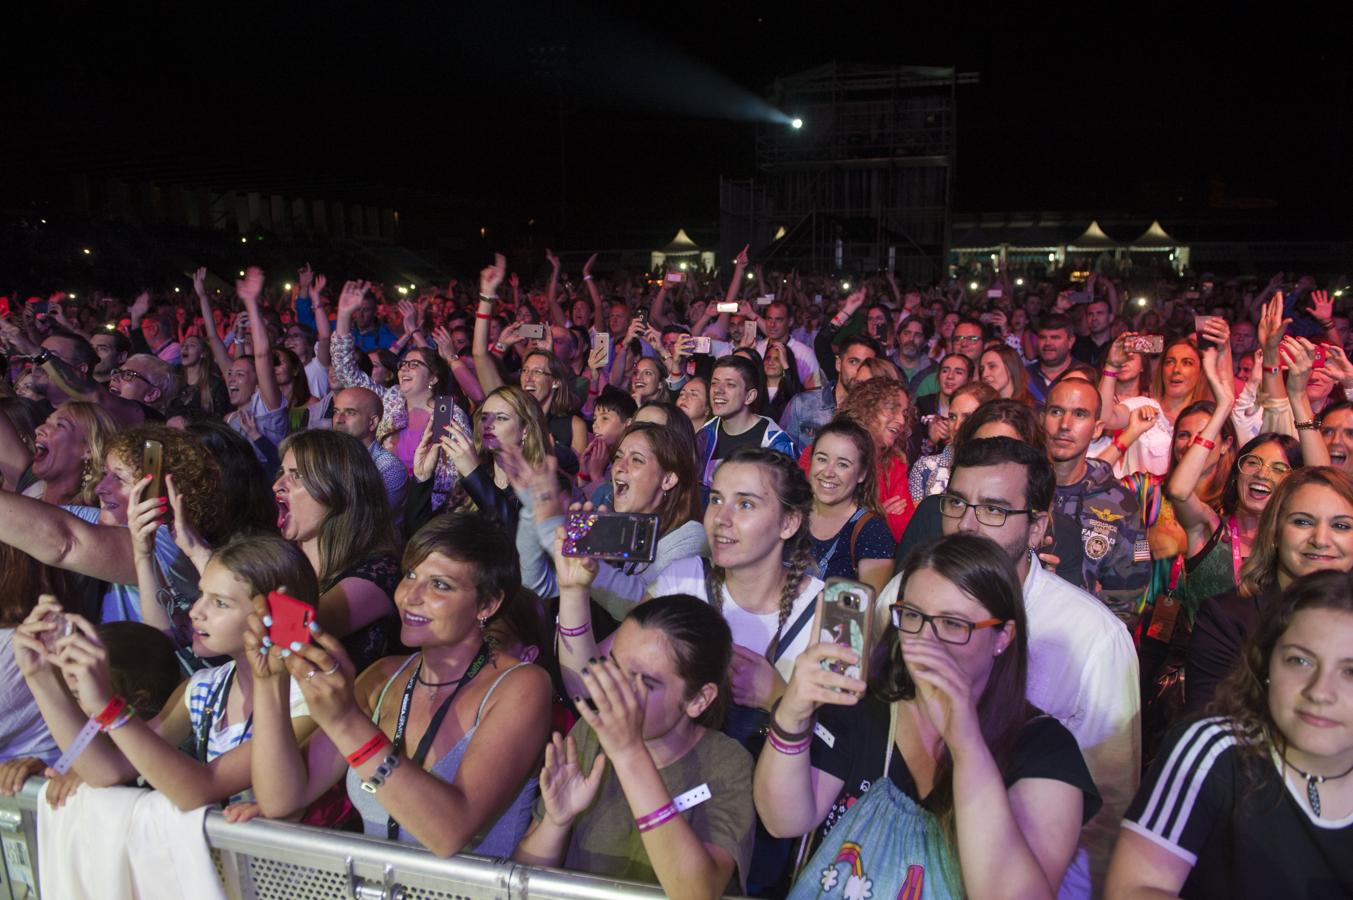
{"x": 501, "y": 837}
{"x": 1209, "y": 572}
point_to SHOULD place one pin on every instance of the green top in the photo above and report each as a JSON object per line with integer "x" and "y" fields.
{"x": 1207, "y": 573}
{"x": 605, "y": 840}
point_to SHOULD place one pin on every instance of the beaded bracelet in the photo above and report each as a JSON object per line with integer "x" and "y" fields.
{"x": 657, "y": 817}
{"x": 787, "y": 736}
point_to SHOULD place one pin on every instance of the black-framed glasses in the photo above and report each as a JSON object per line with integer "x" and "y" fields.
{"x": 1253, "y": 465}
{"x": 127, "y": 374}
{"x": 410, "y": 364}
{"x": 953, "y": 507}
{"x": 949, "y": 629}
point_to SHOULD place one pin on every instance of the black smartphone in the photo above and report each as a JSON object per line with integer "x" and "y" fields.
{"x": 612, "y": 536}
{"x": 441, "y": 416}
{"x": 152, "y": 464}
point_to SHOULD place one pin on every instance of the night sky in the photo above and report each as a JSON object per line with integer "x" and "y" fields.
{"x": 458, "y": 113}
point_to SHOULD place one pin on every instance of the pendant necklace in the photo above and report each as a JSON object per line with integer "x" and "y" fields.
{"x": 1312, "y": 792}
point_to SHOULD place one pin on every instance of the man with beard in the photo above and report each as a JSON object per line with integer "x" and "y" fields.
{"x": 810, "y": 410}
{"x": 1090, "y": 348}
{"x": 358, "y": 411}
{"x": 1054, "y": 354}
{"x": 913, "y": 340}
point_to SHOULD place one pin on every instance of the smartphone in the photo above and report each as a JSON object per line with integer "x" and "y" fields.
{"x": 674, "y": 277}
{"x": 1200, "y": 322}
{"x": 441, "y": 415}
{"x": 531, "y": 332}
{"x": 152, "y": 464}
{"x": 64, "y": 626}
{"x": 290, "y": 620}
{"x": 845, "y": 616}
{"x": 1080, "y": 297}
{"x": 642, "y": 315}
{"x": 612, "y": 536}
{"x": 1145, "y": 343}
{"x": 702, "y": 345}
{"x": 42, "y": 307}
{"x": 765, "y": 300}
{"x": 994, "y": 294}
{"x": 749, "y": 331}
{"x": 727, "y": 307}
{"x": 602, "y": 341}
{"x": 1318, "y": 357}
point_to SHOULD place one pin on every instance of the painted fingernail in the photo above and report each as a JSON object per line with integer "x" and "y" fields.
{"x": 286, "y": 653}
{"x": 314, "y": 628}
{"x": 295, "y": 646}
{"x": 267, "y": 641}
{"x": 584, "y": 670}
{"x": 267, "y": 621}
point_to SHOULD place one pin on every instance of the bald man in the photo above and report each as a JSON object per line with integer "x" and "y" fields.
{"x": 357, "y": 411}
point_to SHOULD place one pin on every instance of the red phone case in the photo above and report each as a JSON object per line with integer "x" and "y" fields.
{"x": 290, "y": 620}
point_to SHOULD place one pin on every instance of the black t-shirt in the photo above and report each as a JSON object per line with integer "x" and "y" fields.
{"x": 859, "y": 743}
{"x": 726, "y": 443}
{"x": 1246, "y": 834}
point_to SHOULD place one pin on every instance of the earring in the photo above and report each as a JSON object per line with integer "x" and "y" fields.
{"x": 483, "y": 620}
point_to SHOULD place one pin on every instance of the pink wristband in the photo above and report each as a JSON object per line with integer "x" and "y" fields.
{"x": 788, "y": 749}
{"x": 573, "y": 632}
{"x": 656, "y": 818}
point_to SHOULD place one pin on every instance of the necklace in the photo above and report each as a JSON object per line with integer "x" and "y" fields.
{"x": 434, "y": 686}
{"x": 1312, "y": 793}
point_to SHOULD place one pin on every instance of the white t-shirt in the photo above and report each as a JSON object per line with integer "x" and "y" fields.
{"x": 317, "y": 376}
{"x": 751, "y": 630}
{"x": 1150, "y": 452}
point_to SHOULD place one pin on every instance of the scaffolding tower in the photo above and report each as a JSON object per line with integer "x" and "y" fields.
{"x": 865, "y": 184}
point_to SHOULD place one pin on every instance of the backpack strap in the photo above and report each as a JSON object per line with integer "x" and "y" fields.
{"x": 855, "y": 537}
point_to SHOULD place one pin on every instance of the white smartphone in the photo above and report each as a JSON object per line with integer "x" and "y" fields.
{"x": 727, "y": 307}
{"x": 601, "y": 341}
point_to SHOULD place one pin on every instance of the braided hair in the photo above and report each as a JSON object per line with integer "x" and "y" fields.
{"x": 791, "y": 489}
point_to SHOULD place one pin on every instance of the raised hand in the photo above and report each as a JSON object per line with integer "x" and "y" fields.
{"x": 741, "y": 259}
{"x": 812, "y": 684}
{"x": 317, "y": 289}
{"x": 492, "y": 276}
{"x": 1139, "y": 423}
{"x": 84, "y": 664}
{"x": 265, "y": 660}
{"x": 200, "y": 282}
{"x": 351, "y": 298}
{"x": 572, "y": 571}
{"x": 326, "y": 675}
{"x": 853, "y": 302}
{"x": 1272, "y": 325}
{"x": 564, "y": 790}
{"x": 587, "y": 266}
{"x": 553, "y": 260}
{"x": 459, "y": 446}
{"x": 428, "y": 452}
{"x": 410, "y": 316}
{"x": 597, "y": 358}
{"x": 34, "y": 639}
{"x": 1321, "y": 308}
{"x": 140, "y": 306}
{"x": 144, "y": 517}
{"x": 1299, "y": 354}
{"x": 251, "y": 285}
{"x": 445, "y": 349}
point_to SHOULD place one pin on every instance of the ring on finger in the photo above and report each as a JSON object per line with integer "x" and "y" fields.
{"x": 332, "y": 670}
{"x": 311, "y": 674}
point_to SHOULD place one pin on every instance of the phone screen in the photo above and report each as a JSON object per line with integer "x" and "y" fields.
{"x": 612, "y": 536}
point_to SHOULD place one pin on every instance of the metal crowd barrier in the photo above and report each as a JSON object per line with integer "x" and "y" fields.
{"x": 266, "y": 860}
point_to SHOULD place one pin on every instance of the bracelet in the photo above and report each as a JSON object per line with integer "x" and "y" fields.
{"x": 1309, "y": 423}
{"x": 480, "y": 315}
{"x": 572, "y": 632}
{"x": 1109, "y": 373}
{"x": 382, "y": 774}
{"x": 489, "y": 297}
{"x": 784, "y": 735}
{"x": 499, "y": 348}
{"x": 127, "y": 715}
{"x": 1273, "y": 370}
{"x": 1119, "y": 445}
{"x": 656, "y": 818}
{"x": 363, "y": 753}
{"x": 1325, "y": 325}
{"x": 110, "y": 712}
{"x": 1204, "y": 442}
{"x": 587, "y": 278}
{"x": 787, "y": 748}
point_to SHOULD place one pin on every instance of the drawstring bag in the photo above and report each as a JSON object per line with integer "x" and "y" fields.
{"x": 885, "y": 846}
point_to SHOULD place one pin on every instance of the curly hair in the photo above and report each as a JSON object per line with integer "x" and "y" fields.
{"x": 197, "y": 475}
{"x": 869, "y": 401}
{"x": 791, "y": 489}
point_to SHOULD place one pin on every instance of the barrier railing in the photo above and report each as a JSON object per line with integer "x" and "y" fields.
{"x": 266, "y": 860}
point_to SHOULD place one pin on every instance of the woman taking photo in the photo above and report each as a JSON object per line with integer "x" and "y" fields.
{"x": 1306, "y": 527}
{"x": 1256, "y": 800}
{"x": 849, "y": 534}
{"x": 653, "y": 473}
{"x": 935, "y": 769}
{"x": 332, "y": 504}
{"x": 212, "y": 712}
{"x": 1124, "y": 389}
{"x": 445, "y": 756}
{"x": 421, "y": 375}
{"x": 1002, "y": 369}
{"x": 608, "y": 790}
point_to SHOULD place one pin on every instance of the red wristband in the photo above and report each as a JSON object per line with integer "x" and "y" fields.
{"x": 1118, "y": 443}
{"x": 368, "y": 750}
{"x": 1202, "y": 441}
{"x": 480, "y": 315}
{"x": 111, "y": 712}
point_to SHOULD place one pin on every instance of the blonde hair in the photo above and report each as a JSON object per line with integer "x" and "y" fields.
{"x": 99, "y": 428}
{"x": 536, "y": 440}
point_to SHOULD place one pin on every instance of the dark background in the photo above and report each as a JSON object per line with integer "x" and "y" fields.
{"x": 457, "y": 114}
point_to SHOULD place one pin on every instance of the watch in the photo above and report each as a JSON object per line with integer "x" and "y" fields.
{"x": 41, "y": 357}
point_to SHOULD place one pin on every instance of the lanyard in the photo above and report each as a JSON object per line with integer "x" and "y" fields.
{"x": 425, "y": 744}
{"x": 215, "y": 707}
{"x": 1236, "y": 561}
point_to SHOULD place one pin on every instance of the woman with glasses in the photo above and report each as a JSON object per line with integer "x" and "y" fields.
{"x": 546, "y": 378}
{"x": 932, "y": 772}
{"x": 1256, "y": 800}
{"x": 421, "y": 375}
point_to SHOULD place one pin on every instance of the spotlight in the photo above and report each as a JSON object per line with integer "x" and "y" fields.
{"x": 845, "y": 285}
{"x": 86, "y": 251}
{"x": 244, "y": 240}
{"x": 1019, "y": 282}
{"x": 972, "y": 285}
{"x": 1141, "y": 301}
{"x": 796, "y": 124}
{"x": 286, "y": 286}
{"x": 684, "y": 266}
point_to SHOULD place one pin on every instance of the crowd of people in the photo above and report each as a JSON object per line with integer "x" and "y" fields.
{"x": 1108, "y": 542}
